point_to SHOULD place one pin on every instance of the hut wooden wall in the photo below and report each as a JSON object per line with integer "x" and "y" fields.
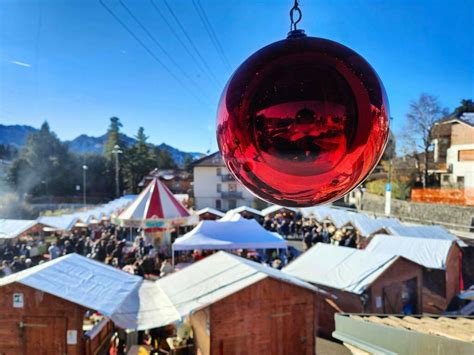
{"x": 394, "y": 279}
{"x": 440, "y": 286}
{"x": 397, "y": 274}
{"x": 50, "y": 317}
{"x": 269, "y": 317}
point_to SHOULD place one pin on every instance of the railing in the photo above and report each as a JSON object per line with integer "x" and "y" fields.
{"x": 231, "y": 194}
{"x": 96, "y": 339}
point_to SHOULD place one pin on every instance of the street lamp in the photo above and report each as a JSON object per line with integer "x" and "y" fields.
{"x": 84, "y": 181}
{"x": 116, "y": 151}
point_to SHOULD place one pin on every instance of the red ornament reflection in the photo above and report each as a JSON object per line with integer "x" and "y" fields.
{"x": 303, "y": 121}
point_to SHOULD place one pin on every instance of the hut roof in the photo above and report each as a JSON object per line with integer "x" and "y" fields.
{"x": 12, "y": 228}
{"x": 430, "y": 232}
{"x": 216, "y": 277}
{"x": 343, "y": 268}
{"x": 210, "y": 211}
{"x": 430, "y": 253}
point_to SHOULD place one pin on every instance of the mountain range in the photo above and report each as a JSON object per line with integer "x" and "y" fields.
{"x": 16, "y": 135}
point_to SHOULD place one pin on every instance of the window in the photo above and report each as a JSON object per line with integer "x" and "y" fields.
{"x": 218, "y": 171}
{"x": 460, "y": 181}
{"x": 219, "y": 188}
{"x": 218, "y": 204}
{"x": 466, "y": 155}
{"x": 445, "y": 178}
{"x": 232, "y": 187}
{"x": 232, "y": 204}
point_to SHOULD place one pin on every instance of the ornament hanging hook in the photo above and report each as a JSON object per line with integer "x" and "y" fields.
{"x": 294, "y": 22}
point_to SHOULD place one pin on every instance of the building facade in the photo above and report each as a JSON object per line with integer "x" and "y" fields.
{"x": 214, "y": 187}
{"x": 454, "y": 151}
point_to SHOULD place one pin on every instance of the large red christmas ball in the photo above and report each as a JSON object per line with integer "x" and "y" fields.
{"x": 303, "y": 121}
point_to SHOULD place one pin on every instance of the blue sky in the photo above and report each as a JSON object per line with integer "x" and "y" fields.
{"x": 71, "y": 63}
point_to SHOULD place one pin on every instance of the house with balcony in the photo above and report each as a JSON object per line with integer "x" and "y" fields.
{"x": 453, "y": 140}
{"x": 214, "y": 187}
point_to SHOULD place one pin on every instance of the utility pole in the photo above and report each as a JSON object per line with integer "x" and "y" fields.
{"x": 388, "y": 191}
{"x": 116, "y": 151}
{"x": 84, "y": 182}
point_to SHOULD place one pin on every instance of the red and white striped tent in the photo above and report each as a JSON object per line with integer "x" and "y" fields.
{"x": 155, "y": 208}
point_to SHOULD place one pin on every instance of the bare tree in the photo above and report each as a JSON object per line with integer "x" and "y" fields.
{"x": 423, "y": 114}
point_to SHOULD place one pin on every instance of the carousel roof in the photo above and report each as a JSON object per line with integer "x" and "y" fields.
{"x": 155, "y": 202}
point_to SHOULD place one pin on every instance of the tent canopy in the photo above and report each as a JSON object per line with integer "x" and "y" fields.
{"x": 154, "y": 207}
{"x": 12, "y": 228}
{"x": 320, "y": 213}
{"x": 218, "y": 235}
{"x": 64, "y": 222}
{"x": 430, "y": 253}
{"x": 276, "y": 208}
{"x": 216, "y": 277}
{"x": 339, "y": 217}
{"x": 347, "y": 269}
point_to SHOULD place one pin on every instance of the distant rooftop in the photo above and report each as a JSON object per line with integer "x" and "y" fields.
{"x": 215, "y": 159}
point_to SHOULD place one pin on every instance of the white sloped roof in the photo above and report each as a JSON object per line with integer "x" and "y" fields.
{"x": 339, "y": 217}
{"x": 276, "y": 208}
{"x": 79, "y": 280}
{"x": 245, "y": 209}
{"x": 146, "y": 307}
{"x": 431, "y": 232}
{"x": 365, "y": 224}
{"x": 63, "y": 222}
{"x": 216, "y": 277}
{"x": 220, "y": 235}
{"x": 211, "y": 211}
{"x": 12, "y": 228}
{"x": 430, "y": 253}
{"x": 320, "y": 213}
{"x": 389, "y": 222}
{"x": 343, "y": 268}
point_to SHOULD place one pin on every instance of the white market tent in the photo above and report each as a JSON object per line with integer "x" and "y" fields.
{"x": 118, "y": 295}
{"x": 430, "y": 232}
{"x": 229, "y": 235}
{"x": 342, "y": 268}
{"x": 244, "y": 209}
{"x": 216, "y": 277}
{"x": 12, "y": 228}
{"x": 339, "y": 217}
{"x": 431, "y": 253}
{"x": 389, "y": 222}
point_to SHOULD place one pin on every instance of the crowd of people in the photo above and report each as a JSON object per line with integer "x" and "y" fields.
{"x": 112, "y": 245}
{"x": 105, "y": 243}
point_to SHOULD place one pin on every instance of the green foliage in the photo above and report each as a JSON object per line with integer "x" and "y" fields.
{"x": 467, "y": 105}
{"x": 43, "y": 167}
{"x": 8, "y": 152}
{"x": 163, "y": 159}
{"x": 138, "y": 162}
{"x": 113, "y": 137}
{"x": 400, "y": 190}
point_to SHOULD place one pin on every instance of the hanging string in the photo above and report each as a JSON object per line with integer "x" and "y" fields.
{"x": 295, "y": 9}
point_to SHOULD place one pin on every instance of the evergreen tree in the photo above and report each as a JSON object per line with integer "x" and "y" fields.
{"x": 44, "y": 166}
{"x": 138, "y": 162}
{"x": 113, "y": 137}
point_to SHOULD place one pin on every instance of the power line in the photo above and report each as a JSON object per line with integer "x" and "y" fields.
{"x": 212, "y": 34}
{"x": 191, "y": 42}
{"x": 175, "y": 34}
{"x": 153, "y": 38}
{"x": 149, "y": 51}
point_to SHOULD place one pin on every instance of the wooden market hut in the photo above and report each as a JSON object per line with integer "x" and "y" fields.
{"x": 239, "y": 306}
{"x": 209, "y": 214}
{"x": 273, "y": 210}
{"x": 441, "y": 262}
{"x": 362, "y": 282}
{"x": 43, "y": 309}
